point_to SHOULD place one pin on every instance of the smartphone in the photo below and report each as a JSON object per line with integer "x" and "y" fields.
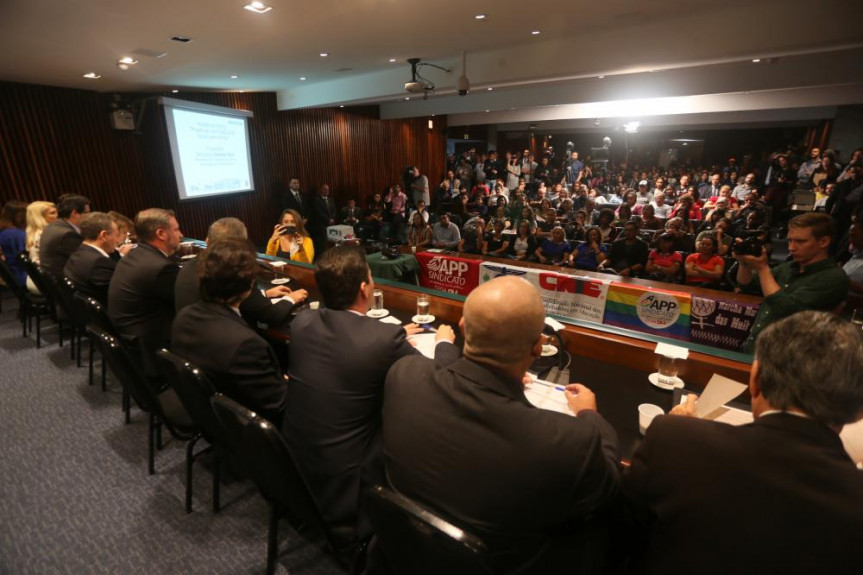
{"x": 288, "y": 230}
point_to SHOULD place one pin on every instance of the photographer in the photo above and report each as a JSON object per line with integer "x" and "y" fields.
{"x": 812, "y": 281}
{"x": 290, "y": 240}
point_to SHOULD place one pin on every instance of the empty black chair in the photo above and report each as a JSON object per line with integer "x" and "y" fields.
{"x": 162, "y": 405}
{"x": 29, "y": 304}
{"x": 195, "y": 392}
{"x": 264, "y": 455}
{"x": 416, "y": 541}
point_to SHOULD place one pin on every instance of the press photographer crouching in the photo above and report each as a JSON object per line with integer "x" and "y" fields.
{"x": 811, "y": 281}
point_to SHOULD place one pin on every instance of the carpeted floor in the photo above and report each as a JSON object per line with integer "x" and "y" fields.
{"x": 75, "y": 496}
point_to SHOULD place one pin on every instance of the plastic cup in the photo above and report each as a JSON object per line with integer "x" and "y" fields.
{"x": 646, "y": 413}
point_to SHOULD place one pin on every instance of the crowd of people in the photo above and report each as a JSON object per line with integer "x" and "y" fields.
{"x": 358, "y": 405}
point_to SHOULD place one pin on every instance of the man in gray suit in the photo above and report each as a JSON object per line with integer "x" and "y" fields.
{"x": 63, "y": 236}
{"x": 338, "y": 361}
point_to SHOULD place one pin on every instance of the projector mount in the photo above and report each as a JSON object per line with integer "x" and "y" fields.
{"x": 419, "y": 84}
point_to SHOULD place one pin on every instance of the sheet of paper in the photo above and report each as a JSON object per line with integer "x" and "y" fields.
{"x": 719, "y": 391}
{"x": 669, "y": 350}
{"x": 546, "y": 395}
{"x": 729, "y": 415}
{"x": 391, "y": 319}
{"x": 425, "y": 343}
{"x": 554, "y": 324}
{"x": 436, "y": 250}
{"x": 276, "y": 300}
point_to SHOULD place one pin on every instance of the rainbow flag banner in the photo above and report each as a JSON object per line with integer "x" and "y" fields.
{"x": 649, "y": 310}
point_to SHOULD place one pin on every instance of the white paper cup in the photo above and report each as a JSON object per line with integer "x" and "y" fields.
{"x": 314, "y": 304}
{"x": 413, "y": 249}
{"x": 646, "y": 413}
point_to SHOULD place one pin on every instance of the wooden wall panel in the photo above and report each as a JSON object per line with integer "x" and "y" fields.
{"x": 57, "y": 140}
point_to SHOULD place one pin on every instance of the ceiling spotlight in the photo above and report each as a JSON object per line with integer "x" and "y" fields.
{"x": 756, "y": 60}
{"x": 92, "y": 75}
{"x": 234, "y": 77}
{"x": 536, "y": 32}
{"x": 174, "y": 91}
{"x": 480, "y": 16}
{"x": 631, "y": 127}
{"x": 302, "y": 78}
{"x": 407, "y": 99}
{"x": 342, "y": 106}
{"x": 600, "y": 77}
{"x": 126, "y": 62}
{"x": 489, "y": 89}
{"x": 392, "y": 60}
{"x": 324, "y": 54}
{"x": 258, "y": 7}
{"x": 487, "y": 111}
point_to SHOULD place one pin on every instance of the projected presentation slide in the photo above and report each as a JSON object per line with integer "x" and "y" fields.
{"x": 213, "y": 153}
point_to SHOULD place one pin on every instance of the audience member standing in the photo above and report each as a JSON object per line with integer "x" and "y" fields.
{"x": 294, "y": 199}
{"x": 322, "y": 214}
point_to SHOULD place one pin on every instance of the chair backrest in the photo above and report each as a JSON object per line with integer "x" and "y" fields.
{"x": 96, "y": 314}
{"x": 417, "y": 541}
{"x": 195, "y": 391}
{"x": 38, "y": 278}
{"x": 119, "y": 359}
{"x": 65, "y": 290}
{"x": 9, "y": 279}
{"x": 267, "y": 460}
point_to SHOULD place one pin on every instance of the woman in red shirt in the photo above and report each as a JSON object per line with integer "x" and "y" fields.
{"x": 663, "y": 263}
{"x": 705, "y": 268}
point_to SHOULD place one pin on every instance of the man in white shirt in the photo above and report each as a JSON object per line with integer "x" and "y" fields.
{"x": 660, "y": 208}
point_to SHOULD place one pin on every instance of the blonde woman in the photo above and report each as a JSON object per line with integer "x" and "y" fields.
{"x": 290, "y": 240}
{"x": 39, "y": 215}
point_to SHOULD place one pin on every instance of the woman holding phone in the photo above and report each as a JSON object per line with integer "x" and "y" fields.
{"x": 290, "y": 240}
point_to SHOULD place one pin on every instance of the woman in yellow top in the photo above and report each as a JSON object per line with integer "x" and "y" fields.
{"x": 290, "y": 240}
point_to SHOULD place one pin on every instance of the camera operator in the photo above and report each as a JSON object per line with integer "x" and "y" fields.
{"x": 812, "y": 281}
{"x": 419, "y": 187}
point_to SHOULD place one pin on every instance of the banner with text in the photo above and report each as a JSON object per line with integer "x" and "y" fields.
{"x": 721, "y": 322}
{"x": 652, "y": 311}
{"x": 576, "y": 297}
{"x": 448, "y": 273}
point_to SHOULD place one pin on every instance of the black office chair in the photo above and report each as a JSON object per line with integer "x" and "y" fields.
{"x": 195, "y": 392}
{"x": 63, "y": 292}
{"x": 48, "y": 291}
{"x": 162, "y": 405}
{"x": 30, "y": 305}
{"x": 416, "y": 541}
{"x": 98, "y": 320}
{"x": 264, "y": 455}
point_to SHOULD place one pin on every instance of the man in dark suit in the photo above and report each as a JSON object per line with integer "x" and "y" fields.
{"x": 294, "y": 199}
{"x": 779, "y": 495}
{"x": 91, "y": 266}
{"x": 338, "y": 361}
{"x": 322, "y": 213}
{"x": 257, "y": 307}
{"x": 141, "y": 293}
{"x": 211, "y": 334}
{"x": 63, "y": 236}
{"x": 351, "y": 215}
{"x": 465, "y": 441}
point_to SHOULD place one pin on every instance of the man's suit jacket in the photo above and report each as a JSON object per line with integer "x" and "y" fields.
{"x": 345, "y": 214}
{"x": 141, "y": 297}
{"x": 322, "y": 210}
{"x": 291, "y": 203}
{"x": 236, "y": 359}
{"x": 59, "y": 241}
{"x": 255, "y": 308}
{"x": 778, "y": 496}
{"x": 465, "y": 441}
{"x": 91, "y": 271}
{"x": 338, "y": 362}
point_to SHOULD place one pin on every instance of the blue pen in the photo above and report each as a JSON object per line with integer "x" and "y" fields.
{"x": 559, "y": 388}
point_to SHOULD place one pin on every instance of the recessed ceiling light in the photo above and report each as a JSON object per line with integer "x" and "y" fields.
{"x": 487, "y": 111}
{"x": 489, "y": 89}
{"x": 174, "y": 91}
{"x": 536, "y": 32}
{"x": 480, "y": 16}
{"x": 242, "y": 91}
{"x": 324, "y": 54}
{"x": 392, "y": 60}
{"x": 342, "y": 106}
{"x": 756, "y": 60}
{"x": 302, "y": 78}
{"x": 127, "y": 60}
{"x": 407, "y": 99}
{"x": 234, "y": 77}
{"x": 600, "y": 77}
{"x": 258, "y": 7}
{"x": 92, "y": 75}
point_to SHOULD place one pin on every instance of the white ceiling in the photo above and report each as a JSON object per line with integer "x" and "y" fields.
{"x": 692, "y": 47}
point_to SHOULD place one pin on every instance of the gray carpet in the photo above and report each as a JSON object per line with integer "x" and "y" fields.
{"x": 75, "y": 496}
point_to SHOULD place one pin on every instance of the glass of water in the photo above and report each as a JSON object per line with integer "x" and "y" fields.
{"x": 423, "y": 308}
{"x": 668, "y": 368}
{"x": 377, "y": 302}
